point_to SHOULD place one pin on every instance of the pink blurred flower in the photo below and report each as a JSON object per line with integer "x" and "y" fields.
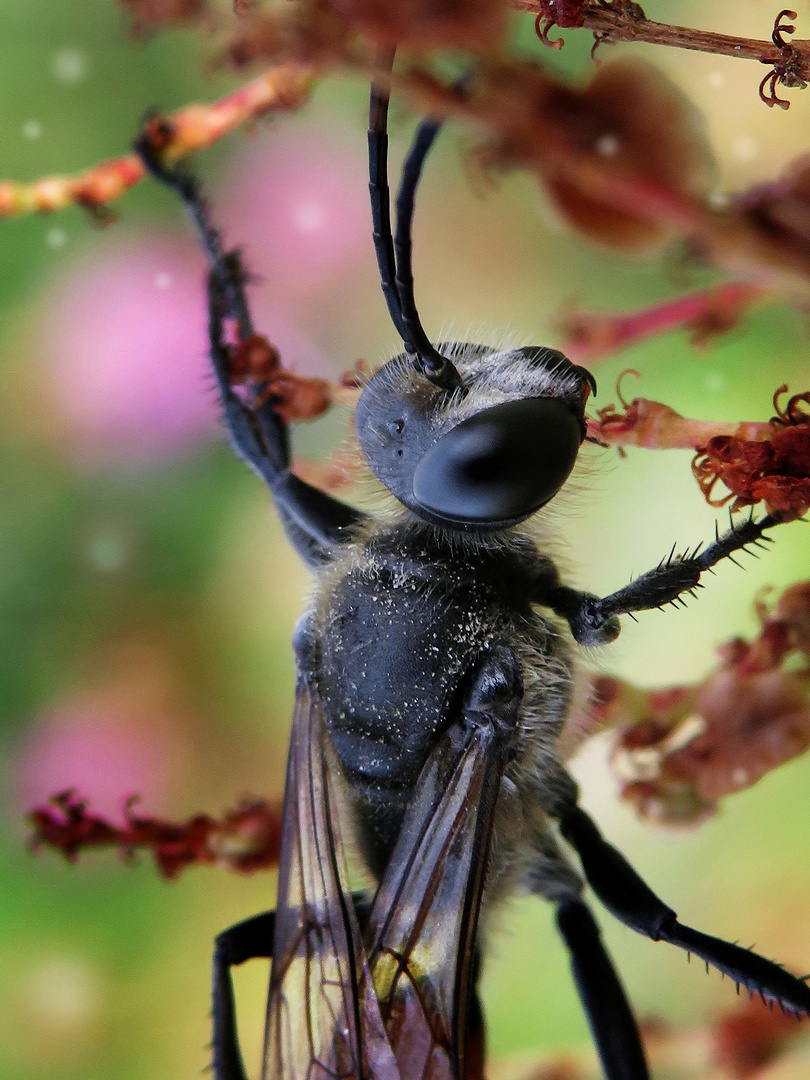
{"x": 126, "y": 352}
{"x": 298, "y": 204}
{"x": 101, "y": 752}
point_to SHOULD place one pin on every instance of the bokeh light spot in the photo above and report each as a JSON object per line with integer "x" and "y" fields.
{"x": 56, "y": 238}
{"x": 299, "y": 203}
{"x": 744, "y": 148}
{"x": 69, "y": 66}
{"x": 108, "y": 550}
{"x": 62, "y": 992}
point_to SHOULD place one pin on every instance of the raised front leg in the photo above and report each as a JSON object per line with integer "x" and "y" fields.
{"x": 595, "y": 621}
{"x": 315, "y": 522}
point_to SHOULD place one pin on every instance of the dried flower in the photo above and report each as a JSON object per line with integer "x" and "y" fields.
{"x": 246, "y": 839}
{"x": 682, "y": 749}
{"x": 751, "y": 1037}
{"x": 627, "y": 123}
{"x": 775, "y": 470}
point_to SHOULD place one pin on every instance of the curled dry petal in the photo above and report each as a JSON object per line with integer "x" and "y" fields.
{"x": 656, "y": 426}
{"x": 678, "y": 751}
{"x": 567, "y": 14}
{"x": 252, "y": 359}
{"x": 246, "y": 839}
{"x": 297, "y": 397}
{"x": 757, "y": 462}
{"x": 256, "y": 363}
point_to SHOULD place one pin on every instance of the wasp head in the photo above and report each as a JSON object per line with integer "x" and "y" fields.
{"x": 486, "y": 454}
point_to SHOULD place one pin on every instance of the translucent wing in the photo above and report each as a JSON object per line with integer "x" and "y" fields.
{"x": 422, "y": 927}
{"x": 324, "y": 1021}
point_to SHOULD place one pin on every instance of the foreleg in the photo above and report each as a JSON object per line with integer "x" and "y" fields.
{"x": 594, "y": 621}
{"x": 315, "y": 522}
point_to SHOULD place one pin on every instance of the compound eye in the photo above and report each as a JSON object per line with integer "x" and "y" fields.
{"x": 500, "y": 465}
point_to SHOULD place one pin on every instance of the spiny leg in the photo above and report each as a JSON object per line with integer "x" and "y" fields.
{"x": 632, "y": 901}
{"x": 594, "y": 620}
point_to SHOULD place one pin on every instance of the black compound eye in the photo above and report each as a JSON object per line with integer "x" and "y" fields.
{"x": 500, "y": 465}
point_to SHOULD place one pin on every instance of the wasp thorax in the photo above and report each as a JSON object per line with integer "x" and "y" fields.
{"x": 484, "y": 456}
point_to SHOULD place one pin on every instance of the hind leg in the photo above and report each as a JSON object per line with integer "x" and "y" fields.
{"x": 245, "y": 941}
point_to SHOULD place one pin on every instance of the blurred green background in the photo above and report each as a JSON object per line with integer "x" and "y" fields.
{"x": 147, "y": 596}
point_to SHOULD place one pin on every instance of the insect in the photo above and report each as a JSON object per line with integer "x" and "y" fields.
{"x": 435, "y": 669}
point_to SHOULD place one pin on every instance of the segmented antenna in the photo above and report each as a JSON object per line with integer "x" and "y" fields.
{"x": 411, "y": 173}
{"x": 394, "y": 259}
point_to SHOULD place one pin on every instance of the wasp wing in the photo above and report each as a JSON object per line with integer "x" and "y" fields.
{"x": 323, "y": 1020}
{"x": 422, "y": 927}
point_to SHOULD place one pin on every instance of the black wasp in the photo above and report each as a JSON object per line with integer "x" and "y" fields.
{"x": 435, "y": 669}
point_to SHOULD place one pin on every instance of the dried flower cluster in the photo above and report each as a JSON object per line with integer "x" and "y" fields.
{"x": 246, "y": 838}
{"x": 679, "y": 750}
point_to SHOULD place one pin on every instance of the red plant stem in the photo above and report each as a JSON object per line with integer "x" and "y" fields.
{"x": 592, "y": 336}
{"x": 655, "y": 426}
